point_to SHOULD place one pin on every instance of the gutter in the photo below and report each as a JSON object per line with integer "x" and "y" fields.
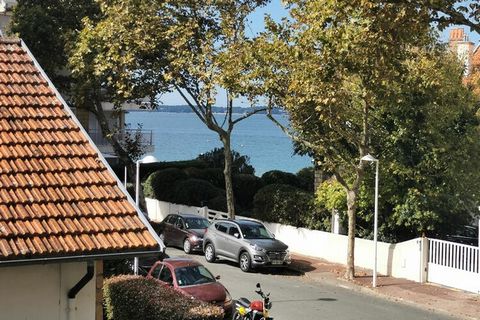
{"x": 84, "y": 257}
{"x": 72, "y": 293}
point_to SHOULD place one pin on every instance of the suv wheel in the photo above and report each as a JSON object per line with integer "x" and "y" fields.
{"x": 245, "y": 262}
{"x": 209, "y": 253}
{"x": 187, "y": 247}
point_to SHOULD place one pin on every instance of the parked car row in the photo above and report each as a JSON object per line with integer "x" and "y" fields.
{"x": 244, "y": 241}
{"x": 247, "y": 242}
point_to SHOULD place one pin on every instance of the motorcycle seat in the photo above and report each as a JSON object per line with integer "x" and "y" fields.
{"x": 244, "y": 302}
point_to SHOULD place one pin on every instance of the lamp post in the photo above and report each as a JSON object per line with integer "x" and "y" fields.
{"x": 369, "y": 158}
{"x": 146, "y": 159}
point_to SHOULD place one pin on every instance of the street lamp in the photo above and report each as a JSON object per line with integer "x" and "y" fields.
{"x": 369, "y": 158}
{"x": 146, "y": 159}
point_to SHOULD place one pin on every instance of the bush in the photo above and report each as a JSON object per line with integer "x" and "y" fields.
{"x": 284, "y": 204}
{"x": 139, "y": 298}
{"x": 160, "y": 185}
{"x": 216, "y": 159}
{"x": 306, "y": 178}
{"x": 192, "y": 192}
{"x": 245, "y": 186}
{"x": 218, "y": 203}
{"x": 280, "y": 177}
{"x": 215, "y": 176}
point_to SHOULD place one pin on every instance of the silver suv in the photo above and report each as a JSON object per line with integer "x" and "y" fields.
{"x": 246, "y": 242}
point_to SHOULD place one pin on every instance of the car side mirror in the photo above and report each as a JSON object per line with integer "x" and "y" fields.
{"x": 273, "y": 235}
{"x": 258, "y": 285}
{"x": 217, "y": 277}
{"x": 236, "y": 235}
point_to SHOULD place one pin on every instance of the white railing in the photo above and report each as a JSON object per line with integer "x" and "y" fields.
{"x": 214, "y": 214}
{"x": 454, "y": 255}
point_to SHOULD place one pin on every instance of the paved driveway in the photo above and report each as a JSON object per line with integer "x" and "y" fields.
{"x": 294, "y": 297}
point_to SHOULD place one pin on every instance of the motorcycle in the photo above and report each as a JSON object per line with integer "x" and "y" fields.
{"x": 253, "y": 310}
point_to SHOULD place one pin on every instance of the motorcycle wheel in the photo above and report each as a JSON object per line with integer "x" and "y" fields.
{"x": 237, "y": 316}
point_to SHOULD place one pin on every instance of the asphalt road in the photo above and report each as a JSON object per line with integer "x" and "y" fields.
{"x": 295, "y": 297}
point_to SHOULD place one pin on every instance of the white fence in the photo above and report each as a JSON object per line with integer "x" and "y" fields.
{"x": 454, "y": 265}
{"x": 419, "y": 259}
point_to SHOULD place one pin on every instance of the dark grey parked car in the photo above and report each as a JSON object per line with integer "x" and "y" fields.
{"x": 246, "y": 242}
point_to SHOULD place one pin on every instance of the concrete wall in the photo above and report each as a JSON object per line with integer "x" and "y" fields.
{"x": 158, "y": 210}
{"x": 401, "y": 260}
{"x": 39, "y": 292}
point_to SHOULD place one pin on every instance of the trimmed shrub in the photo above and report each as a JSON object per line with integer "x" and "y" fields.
{"x": 138, "y": 298}
{"x": 283, "y": 204}
{"x": 195, "y": 173}
{"x": 215, "y": 176}
{"x": 218, "y": 203}
{"x": 192, "y": 192}
{"x": 245, "y": 186}
{"x": 160, "y": 185}
{"x": 216, "y": 159}
{"x": 280, "y": 177}
{"x": 306, "y": 177}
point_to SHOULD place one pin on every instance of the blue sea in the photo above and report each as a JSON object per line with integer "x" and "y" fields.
{"x": 182, "y": 136}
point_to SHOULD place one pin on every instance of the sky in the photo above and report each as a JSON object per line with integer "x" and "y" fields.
{"x": 256, "y": 24}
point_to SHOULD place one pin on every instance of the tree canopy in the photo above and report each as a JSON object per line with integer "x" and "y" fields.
{"x": 145, "y": 48}
{"x": 354, "y": 77}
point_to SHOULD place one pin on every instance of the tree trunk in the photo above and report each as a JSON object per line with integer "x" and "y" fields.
{"x": 227, "y": 172}
{"x": 352, "y": 208}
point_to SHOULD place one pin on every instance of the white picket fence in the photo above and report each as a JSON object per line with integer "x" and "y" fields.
{"x": 421, "y": 259}
{"x": 454, "y": 265}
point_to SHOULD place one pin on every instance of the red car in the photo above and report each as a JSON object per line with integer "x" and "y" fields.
{"x": 192, "y": 279}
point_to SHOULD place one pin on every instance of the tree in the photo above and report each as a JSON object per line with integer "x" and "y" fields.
{"x": 193, "y": 47}
{"x": 216, "y": 159}
{"x": 335, "y": 67}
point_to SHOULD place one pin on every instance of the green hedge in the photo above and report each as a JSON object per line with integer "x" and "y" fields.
{"x": 137, "y": 298}
{"x": 193, "y": 192}
{"x": 284, "y": 204}
{"x": 280, "y": 177}
{"x": 245, "y": 186}
{"x": 306, "y": 178}
{"x": 160, "y": 185}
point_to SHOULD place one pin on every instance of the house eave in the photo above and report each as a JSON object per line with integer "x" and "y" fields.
{"x": 79, "y": 258}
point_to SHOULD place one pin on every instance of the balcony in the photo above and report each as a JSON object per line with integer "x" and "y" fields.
{"x": 145, "y": 137}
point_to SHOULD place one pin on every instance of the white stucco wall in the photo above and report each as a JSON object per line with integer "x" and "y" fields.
{"x": 39, "y": 292}
{"x": 401, "y": 260}
{"x": 158, "y": 210}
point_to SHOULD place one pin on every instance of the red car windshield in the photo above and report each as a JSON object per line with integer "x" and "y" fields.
{"x": 193, "y": 275}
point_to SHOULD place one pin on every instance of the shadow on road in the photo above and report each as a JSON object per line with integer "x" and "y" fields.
{"x": 305, "y": 300}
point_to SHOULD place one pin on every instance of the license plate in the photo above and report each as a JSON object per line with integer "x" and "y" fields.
{"x": 277, "y": 262}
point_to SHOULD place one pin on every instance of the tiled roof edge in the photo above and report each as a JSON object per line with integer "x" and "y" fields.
{"x": 71, "y": 258}
{"x": 10, "y": 40}
{"x": 92, "y": 144}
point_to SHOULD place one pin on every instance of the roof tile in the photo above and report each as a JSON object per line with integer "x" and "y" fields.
{"x": 56, "y": 197}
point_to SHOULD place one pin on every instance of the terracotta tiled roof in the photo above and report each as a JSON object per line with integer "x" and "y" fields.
{"x": 57, "y": 197}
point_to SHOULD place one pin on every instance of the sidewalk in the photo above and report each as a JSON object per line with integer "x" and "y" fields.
{"x": 456, "y": 303}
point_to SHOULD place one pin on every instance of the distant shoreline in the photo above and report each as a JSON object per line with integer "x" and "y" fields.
{"x": 217, "y": 110}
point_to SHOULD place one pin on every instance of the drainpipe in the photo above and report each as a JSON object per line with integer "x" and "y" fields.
{"x": 72, "y": 293}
